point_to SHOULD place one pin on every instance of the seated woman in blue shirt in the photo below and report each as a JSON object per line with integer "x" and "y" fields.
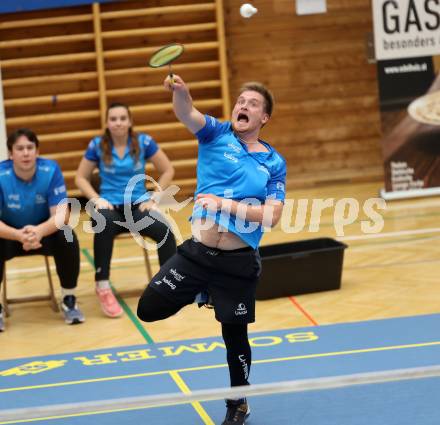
{"x": 120, "y": 155}
{"x": 240, "y": 189}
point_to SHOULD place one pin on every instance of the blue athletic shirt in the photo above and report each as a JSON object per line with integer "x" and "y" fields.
{"x": 225, "y": 168}
{"x": 116, "y": 175}
{"x": 23, "y": 202}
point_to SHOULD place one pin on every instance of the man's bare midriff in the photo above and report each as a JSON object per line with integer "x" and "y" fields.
{"x": 215, "y": 236}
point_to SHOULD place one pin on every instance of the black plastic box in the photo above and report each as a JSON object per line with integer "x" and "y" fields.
{"x": 301, "y": 267}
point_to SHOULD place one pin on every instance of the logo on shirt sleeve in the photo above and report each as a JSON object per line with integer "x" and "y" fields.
{"x": 280, "y": 186}
{"x": 60, "y": 189}
{"x": 147, "y": 141}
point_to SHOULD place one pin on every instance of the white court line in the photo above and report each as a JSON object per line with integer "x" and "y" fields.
{"x": 46, "y": 412}
{"x": 340, "y": 219}
{"x": 389, "y": 234}
{"x": 411, "y": 242}
{"x": 426, "y": 204}
{"x": 12, "y": 272}
{"x": 343, "y": 238}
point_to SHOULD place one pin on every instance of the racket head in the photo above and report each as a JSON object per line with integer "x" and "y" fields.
{"x": 165, "y": 55}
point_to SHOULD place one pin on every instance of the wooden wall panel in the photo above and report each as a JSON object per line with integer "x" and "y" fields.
{"x": 62, "y": 68}
{"x": 326, "y": 119}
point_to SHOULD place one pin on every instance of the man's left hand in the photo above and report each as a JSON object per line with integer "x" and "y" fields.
{"x": 209, "y": 201}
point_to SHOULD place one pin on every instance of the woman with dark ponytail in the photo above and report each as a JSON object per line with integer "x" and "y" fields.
{"x": 120, "y": 156}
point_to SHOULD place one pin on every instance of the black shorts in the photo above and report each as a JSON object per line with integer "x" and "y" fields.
{"x": 230, "y": 278}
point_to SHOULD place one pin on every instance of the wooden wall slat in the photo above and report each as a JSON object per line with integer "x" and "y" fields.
{"x": 158, "y": 30}
{"x": 100, "y": 66}
{"x": 154, "y": 11}
{"x": 27, "y": 23}
{"x": 13, "y": 44}
{"x": 326, "y": 119}
{"x": 60, "y": 74}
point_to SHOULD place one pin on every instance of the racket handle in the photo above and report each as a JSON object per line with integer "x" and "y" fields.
{"x": 170, "y": 73}
{"x": 172, "y": 81}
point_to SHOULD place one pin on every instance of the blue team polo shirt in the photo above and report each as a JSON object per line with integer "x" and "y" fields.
{"x": 225, "y": 168}
{"x": 28, "y": 202}
{"x": 116, "y": 175}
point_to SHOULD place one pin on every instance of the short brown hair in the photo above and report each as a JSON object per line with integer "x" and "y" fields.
{"x": 264, "y": 91}
{"x": 29, "y": 134}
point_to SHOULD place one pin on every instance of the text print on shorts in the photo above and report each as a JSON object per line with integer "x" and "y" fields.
{"x": 179, "y": 277}
{"x": 241, "y": 310}
{"x": 169, "y": 283}
{"x": 212, "y": 252}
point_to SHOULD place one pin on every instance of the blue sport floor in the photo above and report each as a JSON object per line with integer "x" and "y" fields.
{"x": 282, "y": 355}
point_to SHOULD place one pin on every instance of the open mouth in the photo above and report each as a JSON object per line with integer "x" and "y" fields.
{"x": 242, "y": 118}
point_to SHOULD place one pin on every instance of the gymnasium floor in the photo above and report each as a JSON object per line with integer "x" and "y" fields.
{"x": 189, "y": 365}
{"x": 385, "y": 316}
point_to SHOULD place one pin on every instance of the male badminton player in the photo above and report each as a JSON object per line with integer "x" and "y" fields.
{"x": 240, "y": 188}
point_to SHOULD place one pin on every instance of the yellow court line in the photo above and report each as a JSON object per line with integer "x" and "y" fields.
{"x": 197, "y": 406}
{"x": 177, "y": 379}
{"x": 97, "y": 412}
{"x": 174, "y": 375}
{"x": 199, "y": 368}
{"x": 83, "y": 381}
{"x": 348, "y": 352}
{"x": 184, "y": 388}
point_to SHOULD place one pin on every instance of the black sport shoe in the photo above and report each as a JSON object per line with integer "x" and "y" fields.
{"x": 69, "y": 308}
{"x": 237, "y": 412}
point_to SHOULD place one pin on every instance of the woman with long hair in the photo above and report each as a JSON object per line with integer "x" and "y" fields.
{"x": 120, "y": 155}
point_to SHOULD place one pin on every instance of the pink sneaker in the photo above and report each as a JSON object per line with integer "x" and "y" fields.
{"x": 109, "y": 303}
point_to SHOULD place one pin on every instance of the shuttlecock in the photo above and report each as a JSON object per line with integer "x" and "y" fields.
{"x": 247, "y": 10}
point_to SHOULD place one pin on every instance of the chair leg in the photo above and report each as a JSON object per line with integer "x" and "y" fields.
{"x": 53, "y": 298}
{"x": 147, "y": 264}
{"x": 4, "y": 297}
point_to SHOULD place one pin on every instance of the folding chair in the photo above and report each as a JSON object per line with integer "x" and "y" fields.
{"x": 50, "y": 296}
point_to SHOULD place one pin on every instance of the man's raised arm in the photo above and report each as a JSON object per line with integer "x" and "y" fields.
{"x": 193, "y": 119}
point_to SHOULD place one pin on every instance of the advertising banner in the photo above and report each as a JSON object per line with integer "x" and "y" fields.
{"x": 407, "y": 45}
{"x": 406, "y": 28}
